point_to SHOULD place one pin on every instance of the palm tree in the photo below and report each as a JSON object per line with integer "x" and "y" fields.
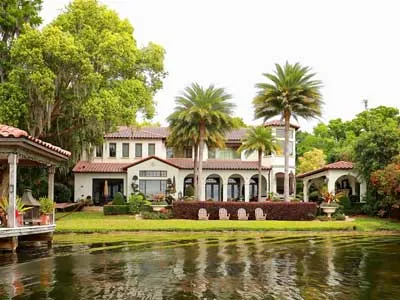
{"x": 290, "y": 91}
{"x": 259, "y": 139}
{"x": 208, "y": 113}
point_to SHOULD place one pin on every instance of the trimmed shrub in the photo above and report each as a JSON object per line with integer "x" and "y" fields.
{"x": 62, "y": 193}
{"x": 115, "y": 209}
{"x": 119, "y": 199}
{"x": 189, "y": 192}
{"x": 138, "y": 203}
{"x": 274, "y": 210}
{"x": 156, "y": 215}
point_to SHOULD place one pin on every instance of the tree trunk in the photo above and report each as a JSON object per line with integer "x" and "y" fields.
{"x": 259, "y": 176}
{"x": 195, "y": 171}
{"x": 201, "y": 150}
{"x": 286, "y": 153}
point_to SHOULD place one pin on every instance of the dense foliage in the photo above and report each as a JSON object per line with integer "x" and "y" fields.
{"x": 311, "y": 160}
{"x": 78, "y": 77}
{"x": 274, "y": 210}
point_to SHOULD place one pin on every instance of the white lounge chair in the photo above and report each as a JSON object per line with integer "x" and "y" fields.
{"x": 242, "y": 215}
{"x": 260, "y": 214}
{"x": 203, "y": 215}
{"x": 223, "y": 214}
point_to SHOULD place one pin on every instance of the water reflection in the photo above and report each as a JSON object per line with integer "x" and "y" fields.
{"x": 308, "y": 267}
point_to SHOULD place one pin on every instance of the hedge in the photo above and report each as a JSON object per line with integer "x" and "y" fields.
{"x": 274, "y": 210}
{"x": 115, "y": 209}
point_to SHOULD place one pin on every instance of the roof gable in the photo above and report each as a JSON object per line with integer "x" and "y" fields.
{"x": 339, "y": 165}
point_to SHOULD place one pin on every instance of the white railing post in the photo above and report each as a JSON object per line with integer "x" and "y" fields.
{"x": 12, "y": 189}
{"x": 50, "y": 188}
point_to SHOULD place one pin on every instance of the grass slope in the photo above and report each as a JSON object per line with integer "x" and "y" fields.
{"x": 89, "y": 222}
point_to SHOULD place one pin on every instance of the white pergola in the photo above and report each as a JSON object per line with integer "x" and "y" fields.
{"x": 339, "y": 177}
{"x": 18, "y": 148}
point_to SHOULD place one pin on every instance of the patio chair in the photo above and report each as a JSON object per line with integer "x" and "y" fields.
{"x": 223, "y": 214}
{"x": 242, "y": 215}
{"x": 260, "y": 214}
{"x": 203, "y": 215}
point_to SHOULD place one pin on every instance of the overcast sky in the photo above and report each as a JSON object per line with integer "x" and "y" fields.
{"x": 353, "y": 46}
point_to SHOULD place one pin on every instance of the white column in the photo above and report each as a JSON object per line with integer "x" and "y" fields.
{"x": 12, "y": 189}
{"x": 50, "y": 187}
{"x": 363, "y": 190}
{"x": 246, "y": 190}
{"x": 202, "y": 191}
{"x": 331, "y": 185}
{"x": 224, "y": 189}
{"x": 305, "y": 190}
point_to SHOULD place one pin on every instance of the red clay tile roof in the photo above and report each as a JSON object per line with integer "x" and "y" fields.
{"x": 90, "y": 167}
{"x": 125, "y": 132}
{"x": 139, "y": 133}
{"x": 180, "y": 163}
{"x": 339, "y": 165}
{"x": 217, "y": 164}
{"x": 236, "y": 135}
{"x": 280, "y": 123}
{"x": 12, "y": 132}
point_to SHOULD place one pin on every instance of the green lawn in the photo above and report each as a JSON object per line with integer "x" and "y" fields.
{"x": 89, "y": 222}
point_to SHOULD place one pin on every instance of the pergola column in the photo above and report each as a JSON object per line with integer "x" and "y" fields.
{"x": 12, "y": 189}
{"x": 50, "y": 186}
{"x": 305, "y": 190}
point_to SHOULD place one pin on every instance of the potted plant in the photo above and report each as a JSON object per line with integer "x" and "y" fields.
{"x": 329, "y": 204}
{"x": 3, "y": 211}
{"x": 46, "y": 208}
{"x": 20, "y": 209}
{"x": 159, "y": 202}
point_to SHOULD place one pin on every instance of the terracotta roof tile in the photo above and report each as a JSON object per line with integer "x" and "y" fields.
{"x": 180, "y": 163}
{"x": 280, "y": 123}
{"x": 90, "y": 167}
{"x": 13, "y": 132}
{"x": 217, "y": 164}
{"x": 339, "y": 165}
{"x": 139, "y": 133}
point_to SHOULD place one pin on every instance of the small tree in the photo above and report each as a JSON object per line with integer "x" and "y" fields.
{"x": 311, "y": 160}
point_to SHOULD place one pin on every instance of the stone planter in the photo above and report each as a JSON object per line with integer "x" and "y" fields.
{"x": 329, "y": 210}
{"x": 159, "y": 207}
{"x": 138, "y": 217}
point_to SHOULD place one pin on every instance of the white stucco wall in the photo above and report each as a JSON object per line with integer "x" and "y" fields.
{"x": 83, "y": 183}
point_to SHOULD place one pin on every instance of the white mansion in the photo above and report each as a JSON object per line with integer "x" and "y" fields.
{"x": 141, "y": 157}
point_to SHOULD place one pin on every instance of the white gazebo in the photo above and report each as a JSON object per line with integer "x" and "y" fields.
{"x": 17, "y": 148}
{"x": 339, "y": 177}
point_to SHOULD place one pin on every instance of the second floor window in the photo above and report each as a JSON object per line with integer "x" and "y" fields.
{"x": 151, "y": 149}
{"x": 282, "y": 148}
{"x": 138, "y": 150}
{"x": 125, "y": 150}
{"x": 113, "y": 149}
{"x": 99, "y": 151}
{"x": 170, "y": 152}
{"x": 187, "y": 152}
{"x": 211, "y": 153}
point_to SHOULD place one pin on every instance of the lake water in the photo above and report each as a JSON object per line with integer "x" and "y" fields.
{"x": 263, "y": 267}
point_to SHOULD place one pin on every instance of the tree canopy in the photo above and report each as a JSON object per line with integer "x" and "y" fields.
{"x": 311, "y": 160}
{"x": 290, "y": 91}
{"x": 80, "y": 76}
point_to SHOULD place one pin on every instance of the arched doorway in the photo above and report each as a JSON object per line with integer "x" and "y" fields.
{"x": 349, "y": 186}
{"x": 235, "y": 188}
{"x": 213, "y": 188}
{"x": 254, "y": 187}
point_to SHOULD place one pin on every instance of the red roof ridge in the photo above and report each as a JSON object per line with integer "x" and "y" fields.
{"x": 10, "y": 131}
{"x": 338, "y": 165}
{"x": 148, "y": 158}
{"x": 280, "y": 123}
